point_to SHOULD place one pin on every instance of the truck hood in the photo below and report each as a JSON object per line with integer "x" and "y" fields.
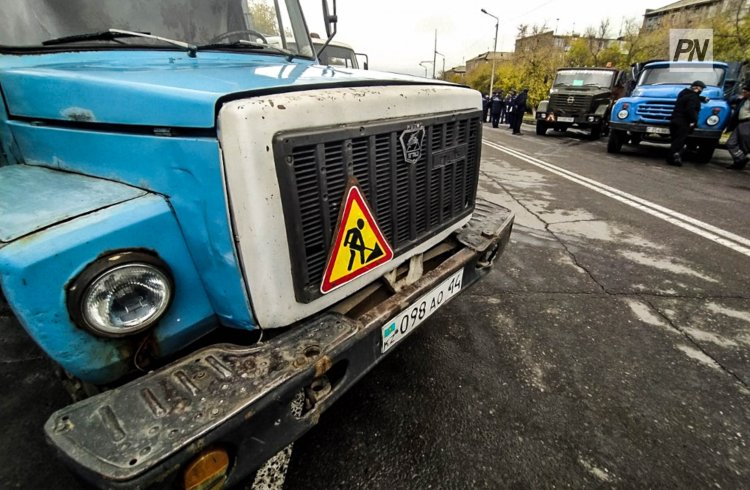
{"x": 158, "y": 88}
{"x": 671, "y": 91}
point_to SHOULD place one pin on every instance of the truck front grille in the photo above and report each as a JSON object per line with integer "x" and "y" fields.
{"x": 570, "y": 104}
{"x": 655, "y": 111}
{"x": 410, "y": 201}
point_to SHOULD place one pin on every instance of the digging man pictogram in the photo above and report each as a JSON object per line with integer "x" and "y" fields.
{"x": 356, "y": 244}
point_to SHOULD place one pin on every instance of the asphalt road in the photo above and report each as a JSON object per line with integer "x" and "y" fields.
{"x": 609, "y": 347}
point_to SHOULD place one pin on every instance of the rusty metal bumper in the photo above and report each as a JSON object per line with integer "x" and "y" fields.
{"x": 142, "y": 434}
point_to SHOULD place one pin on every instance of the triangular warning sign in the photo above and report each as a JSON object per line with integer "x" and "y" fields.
{"x": 359, "y": 246}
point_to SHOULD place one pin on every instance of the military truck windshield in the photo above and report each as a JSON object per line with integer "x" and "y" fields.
{"x": 584, "y": 78}
{"x": 681, "y": 75}
{"x": 239, "y": 24}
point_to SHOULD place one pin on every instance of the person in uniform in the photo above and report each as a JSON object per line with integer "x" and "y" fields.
{"x": 496, "y": 108}
{"x": 509, "y": 105}
{"x": 684, "y": 119}
{"x": 485, "y": 107}
{"x": 738, "y": 144}
{"x": 519, "y": 109}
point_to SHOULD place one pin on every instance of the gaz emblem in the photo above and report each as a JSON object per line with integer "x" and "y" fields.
{"x": 411, "y": 142}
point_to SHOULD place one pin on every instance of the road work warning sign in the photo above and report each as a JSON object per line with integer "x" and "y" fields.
{"x": 358, "y": 247}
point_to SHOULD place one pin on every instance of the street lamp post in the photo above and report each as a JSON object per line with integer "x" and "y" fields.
{"x": 494, "y": 50}
{"x": 421, "y": 63}
{"x": 443, "y": 56}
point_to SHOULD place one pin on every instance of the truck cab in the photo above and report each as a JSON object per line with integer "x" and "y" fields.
{"x": 337, "y": 53}
{"x": 579, "y": 97}
{"x": 215, "y": 235}
{"x": 645, "y": 114}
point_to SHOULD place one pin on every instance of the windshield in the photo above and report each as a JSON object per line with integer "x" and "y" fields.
{"x": 584, "y": 78}
{"x": 337, "y": 56}
{"x": 244, "y": 24}
{"x": 685, "y": 75}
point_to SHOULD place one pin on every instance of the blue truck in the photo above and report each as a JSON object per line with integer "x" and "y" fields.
{"x": 212, "y": 235}
{"x": 644, "y": 115}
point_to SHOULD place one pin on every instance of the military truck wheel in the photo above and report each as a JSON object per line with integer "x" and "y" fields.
{"x": 705, "y": 151}
{"x": 616, "y": 139}
{"x": 596, "y": 132}
{"x": 541, "y": 128}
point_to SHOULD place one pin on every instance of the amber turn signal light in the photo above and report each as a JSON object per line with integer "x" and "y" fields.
{"x": 208, "y": 471}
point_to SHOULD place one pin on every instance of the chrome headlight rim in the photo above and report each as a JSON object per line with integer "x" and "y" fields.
{"x": 713, "y": 120}
{"x": 105, "y": 265}
{"x": 623, "y": 114}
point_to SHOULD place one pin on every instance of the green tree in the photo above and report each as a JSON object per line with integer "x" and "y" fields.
{"x": 731, "y": 33}
{"x": 579, "y": 54}
{"x": 263, "y": 18}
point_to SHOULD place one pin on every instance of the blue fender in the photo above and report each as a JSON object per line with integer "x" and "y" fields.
{"x": 37, "y": 262}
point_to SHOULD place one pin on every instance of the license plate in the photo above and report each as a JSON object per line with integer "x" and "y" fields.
{"x": 402, "y": 324}
{"x": 657, "y": 130}
{"x": 566, "y": 119}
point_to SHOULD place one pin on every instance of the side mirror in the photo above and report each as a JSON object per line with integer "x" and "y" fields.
{"x": 330, "y": 19}
{"x": 366, "y": 64}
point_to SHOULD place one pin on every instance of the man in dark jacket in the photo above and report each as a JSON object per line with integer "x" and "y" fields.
{"x": 519, "y": 108}
{"x": 509, "y": 114}
{"x": 485, "y": 107}
{"x": 684, "y": 119}
{"x": 496, "y": 108}
{"x": 739, "y": 142}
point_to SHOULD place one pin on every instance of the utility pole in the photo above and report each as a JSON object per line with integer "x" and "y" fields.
{"x": 494, "y": 50}
{"x": 434, "y": 55}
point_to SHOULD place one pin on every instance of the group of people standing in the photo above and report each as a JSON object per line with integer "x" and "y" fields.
{"x": 685, "y": 118}
{"x": 502, "y": 109}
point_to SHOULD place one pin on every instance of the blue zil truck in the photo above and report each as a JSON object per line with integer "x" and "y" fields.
{"x": 176, "y": 181}
{"x": 644, "y": 115}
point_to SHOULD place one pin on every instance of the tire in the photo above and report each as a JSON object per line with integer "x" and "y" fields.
{"x": 541, "y": 128}
{"x": 616, "y": 139}
{"x": 705, "y": 151}
{"x": 596, "y": 132}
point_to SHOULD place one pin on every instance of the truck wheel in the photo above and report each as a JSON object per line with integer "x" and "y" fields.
{"x": 705, "y": 151}
{"x": 541, "y": 128}
{"x": 596, "y": 132}
{"x": 616, "y": 139}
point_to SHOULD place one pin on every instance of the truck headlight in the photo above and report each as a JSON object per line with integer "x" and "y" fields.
{"x": 622, "y": 114}
{"x": 121, "y": 294}
{"x": 712, "y": 120}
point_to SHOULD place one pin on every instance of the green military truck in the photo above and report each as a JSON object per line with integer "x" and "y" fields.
{"x": 582, "y": 98}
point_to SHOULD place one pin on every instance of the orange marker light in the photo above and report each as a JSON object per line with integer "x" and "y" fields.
{"x": 208, "y": 471}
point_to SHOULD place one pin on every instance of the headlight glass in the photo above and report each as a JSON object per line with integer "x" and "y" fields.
{"x": 126, "y": 299}
{"x": 622, "y": 114}
{"x": 712, "y": 120}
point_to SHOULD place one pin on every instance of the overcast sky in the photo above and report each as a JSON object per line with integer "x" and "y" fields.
{"x": 398, "y": 34}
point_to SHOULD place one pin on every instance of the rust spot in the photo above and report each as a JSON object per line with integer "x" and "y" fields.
{"x": 282, "y": 107}
{"x": 249, "y": 414}
{"x": 270, "y": 102}
{"x": 322, "y": 366}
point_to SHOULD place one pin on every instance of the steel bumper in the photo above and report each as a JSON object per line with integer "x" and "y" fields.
{"x": 641, "y": 128}
{"x": 142, "y": 434}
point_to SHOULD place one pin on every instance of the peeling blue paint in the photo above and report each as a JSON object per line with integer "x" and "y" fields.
{"x": 33, "y": 198}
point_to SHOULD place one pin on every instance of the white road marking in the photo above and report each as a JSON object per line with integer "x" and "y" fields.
{"x": 705, "y": 230}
